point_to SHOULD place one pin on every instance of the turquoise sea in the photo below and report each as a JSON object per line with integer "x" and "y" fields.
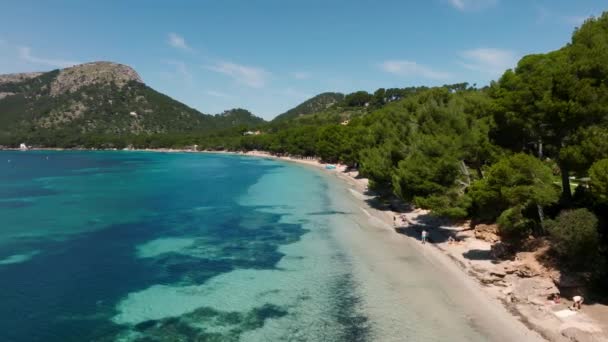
{"x": 104, "y": 246}
{"x": 136, "y": 246}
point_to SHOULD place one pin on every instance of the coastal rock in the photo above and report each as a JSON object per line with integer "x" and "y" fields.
{"x": 533, "y": 290}
{"x": 499, "y": 272}
{"x": 510, "y": 268}
{"x": 525, "y": 265}
{"x": 489, "y": 279}
{"x": 525, "y": 271}
{"x": 487, "y": 233}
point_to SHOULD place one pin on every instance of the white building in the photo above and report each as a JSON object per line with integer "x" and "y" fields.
{"x": 23, "y": 147}
{"x": 252, "y": 133}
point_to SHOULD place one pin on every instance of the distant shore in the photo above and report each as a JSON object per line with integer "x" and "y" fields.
{"x": 500, "y": 289}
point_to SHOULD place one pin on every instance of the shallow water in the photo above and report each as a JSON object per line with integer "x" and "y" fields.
{"x": 115, "y": 245}
{"x": 134, "y": 246}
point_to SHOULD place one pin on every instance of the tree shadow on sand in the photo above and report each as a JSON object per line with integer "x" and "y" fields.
{"x": 478, "y": 254}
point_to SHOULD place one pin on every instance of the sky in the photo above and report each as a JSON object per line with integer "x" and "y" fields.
{"x": 269, "y": 55}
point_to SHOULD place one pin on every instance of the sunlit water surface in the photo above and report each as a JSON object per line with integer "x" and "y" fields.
{"x": 161, "y": 247}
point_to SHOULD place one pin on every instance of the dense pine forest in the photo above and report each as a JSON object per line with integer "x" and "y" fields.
{"x": 529, "y": 151}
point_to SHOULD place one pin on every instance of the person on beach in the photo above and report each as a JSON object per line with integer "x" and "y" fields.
{"x": 577, "y": 301}
{"x": 424, "y": 235}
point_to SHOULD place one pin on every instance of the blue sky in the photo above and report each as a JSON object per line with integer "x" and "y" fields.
{"x": 269, "y": 55}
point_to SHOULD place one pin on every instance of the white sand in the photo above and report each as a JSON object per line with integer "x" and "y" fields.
{"x": 396, "y": 272}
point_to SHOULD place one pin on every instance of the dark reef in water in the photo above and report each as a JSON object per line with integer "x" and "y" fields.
{"x": 227, "y": 326}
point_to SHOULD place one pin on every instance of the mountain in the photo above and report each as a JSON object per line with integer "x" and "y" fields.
{"x": 311, "y": 106}
{"x": 99, "y": 98}
{"x": 238, "y": 117}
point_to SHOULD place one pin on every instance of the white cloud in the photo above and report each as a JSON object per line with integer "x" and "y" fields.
{"x": 457, "y": 3}
{"x": 301, "y": 75}
{"x": 464, "y": 5}
{"x": 25, "y": 54}
{"x": 247, "y": 75}
{"x": 489, "y": 60}
{"x": 413, "y": 69}
{"x": 219, "y": 94}
{"x": 178, "y": 42}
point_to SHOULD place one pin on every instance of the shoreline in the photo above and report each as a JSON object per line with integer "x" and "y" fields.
{"x": 537, "y": 314}
{"x": 495, "y": 287}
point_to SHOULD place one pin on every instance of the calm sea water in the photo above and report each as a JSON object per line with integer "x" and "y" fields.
{"x": 134, "y": 246}
{"x": 104, "y": 246}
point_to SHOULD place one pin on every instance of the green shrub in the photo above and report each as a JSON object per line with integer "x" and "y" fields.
{"x": 575, "y": 236}
{"x": 514, "y": 225}
{"x": 599, "y": 180}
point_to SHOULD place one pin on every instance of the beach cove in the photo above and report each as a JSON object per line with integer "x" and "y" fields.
{"x": 326, "y": 267}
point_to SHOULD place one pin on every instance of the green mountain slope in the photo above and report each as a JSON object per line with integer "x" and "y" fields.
{"x": 238, "y": 117}
{"x": 99, "y": 98}
{"x": 311, "y": 106}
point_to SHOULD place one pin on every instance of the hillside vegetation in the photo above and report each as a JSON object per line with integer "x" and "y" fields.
{"x": 91, "y": 102}
{"x": 311, "y": 106}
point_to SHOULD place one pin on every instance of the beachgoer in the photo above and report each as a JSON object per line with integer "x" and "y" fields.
{"x": 578, "y": 300}
{"x": 394, "y": 221}
{"x": 451, "y": 240}
{"x": 424, "y": 234}
{"x": 555, "y": 298}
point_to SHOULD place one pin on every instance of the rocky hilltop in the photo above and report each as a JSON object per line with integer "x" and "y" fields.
{"x": 12, "y": 78}
{"x": 74, "y": 78}
{"x": 98, "y": 98}
{"x": 8, "y": 78}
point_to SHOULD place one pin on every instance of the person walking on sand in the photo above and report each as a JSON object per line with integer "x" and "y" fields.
{"x": 577, "y": 301}
{"x": 424, "y": 235}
